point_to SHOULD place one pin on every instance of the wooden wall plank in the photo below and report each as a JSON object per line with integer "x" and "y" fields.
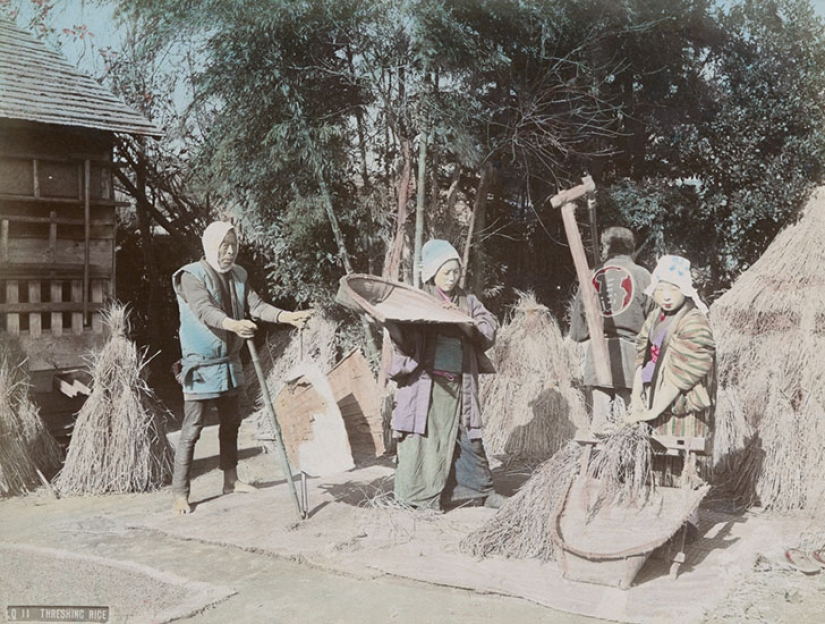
{"x": 77, "y": 297}
{"x": 35, "y": 318}
{"x": 57, "y": 317}
{"x": 98, "y": 294}
{"x": 13, "y": 296}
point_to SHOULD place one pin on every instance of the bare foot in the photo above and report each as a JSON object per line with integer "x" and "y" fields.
{"x": 231, "y": 483}
{"x": 238, "y": 486}
{"x": 181, "y": 506}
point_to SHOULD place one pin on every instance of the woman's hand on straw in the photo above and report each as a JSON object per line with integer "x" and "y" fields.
{"x": 640, "y": 416}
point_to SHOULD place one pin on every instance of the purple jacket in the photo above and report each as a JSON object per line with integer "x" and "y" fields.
{"x": 415, "y": 383}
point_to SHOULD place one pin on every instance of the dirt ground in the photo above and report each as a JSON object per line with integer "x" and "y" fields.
{"x": 242, "y": 558}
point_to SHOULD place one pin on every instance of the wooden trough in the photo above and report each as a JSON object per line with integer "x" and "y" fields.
{"x": 609, "y": 544}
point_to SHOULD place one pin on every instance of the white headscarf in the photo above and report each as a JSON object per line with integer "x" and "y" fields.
{"x": 212, "y": 238}
{"x": 676, "y": 270}
{"x": 434, "y": 254}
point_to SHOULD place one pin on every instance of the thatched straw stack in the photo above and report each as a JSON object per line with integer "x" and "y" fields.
{"x": 524, "y": 526}
{"x": 119, "y": 442}
{"x": 770, "y": 421}
{"x": 531, "y": 406}
{"x": 26, "y": 446}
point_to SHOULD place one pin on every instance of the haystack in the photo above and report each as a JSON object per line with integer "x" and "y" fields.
{"x": 531, "y": 406}
{"x": 119, "y": 442}
{"x": 770, "y": 416}
{"x": 26, "y": 446}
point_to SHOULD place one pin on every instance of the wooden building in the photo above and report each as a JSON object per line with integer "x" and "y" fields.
{"x": 57, "y": 203}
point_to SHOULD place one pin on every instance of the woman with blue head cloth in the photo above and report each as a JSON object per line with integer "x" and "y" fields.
{"x": 437, "y": 420}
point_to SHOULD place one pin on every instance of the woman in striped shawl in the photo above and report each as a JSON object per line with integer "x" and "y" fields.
{"x": 674, "y": 388}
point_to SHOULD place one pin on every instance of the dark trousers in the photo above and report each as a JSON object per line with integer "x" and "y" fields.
{"x": 194, "y": 412}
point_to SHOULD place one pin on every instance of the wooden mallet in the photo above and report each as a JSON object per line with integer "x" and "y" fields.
{"x": 589, "y": 297}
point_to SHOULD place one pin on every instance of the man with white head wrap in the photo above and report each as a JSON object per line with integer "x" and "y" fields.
{"x": 214, "y": 300}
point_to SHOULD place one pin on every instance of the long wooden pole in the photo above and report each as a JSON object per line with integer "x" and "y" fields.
{"x": 590, "y": 301}
{"x": 276, "y": 428}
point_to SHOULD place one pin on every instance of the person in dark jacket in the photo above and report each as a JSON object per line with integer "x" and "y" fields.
{"x": 620, "y": 285}
{"x": 437, "y": 419}
{"x": 214, "y": 301}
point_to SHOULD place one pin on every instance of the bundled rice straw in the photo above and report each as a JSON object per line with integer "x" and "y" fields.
{"x": 26, "y": 446}
{"x": 531, "y": 406}
{"x": 624, "y": 466}
{"x": 769, "y": 418}
{"x": 522, "y": 528}
{"x": 119, "y": 442}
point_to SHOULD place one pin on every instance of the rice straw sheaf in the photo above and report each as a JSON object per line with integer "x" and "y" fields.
{"x": 521, "y": 529}
{"x": 119, "y": 442}
{"x": 769, "y": 331}
{"x": 531, "y": 406}
{"x": 623, "y": 466}
{"x": 26, "y": 446}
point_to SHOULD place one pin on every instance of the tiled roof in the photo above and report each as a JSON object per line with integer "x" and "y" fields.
{"x": 37, "y": 84}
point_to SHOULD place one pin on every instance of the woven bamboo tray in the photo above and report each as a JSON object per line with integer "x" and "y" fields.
{"x": 610, "y": 546}
{"x": 386, "y": 300}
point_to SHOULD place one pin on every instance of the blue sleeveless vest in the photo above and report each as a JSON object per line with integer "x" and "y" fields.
{"x": 211, "y": 364}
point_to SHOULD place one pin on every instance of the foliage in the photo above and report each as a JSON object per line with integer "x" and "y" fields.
{"x": 701, "y": 124}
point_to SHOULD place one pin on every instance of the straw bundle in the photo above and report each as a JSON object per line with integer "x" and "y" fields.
{"x": 521, "y": 529}
{"x": 531, "y": 406}
{"x": 769, "y": 418}
{"x": 119, "y": 442}
{"x": 524, "y": 526}
{"x": 624, "y": 467}
{"x": 41, "y": 448}
{"x": 26, "y": 446}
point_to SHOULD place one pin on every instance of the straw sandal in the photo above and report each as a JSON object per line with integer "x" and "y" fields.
{"x": 802, "y": 561}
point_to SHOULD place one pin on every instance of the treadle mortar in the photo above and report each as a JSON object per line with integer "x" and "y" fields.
{"x": 609, "y": 545}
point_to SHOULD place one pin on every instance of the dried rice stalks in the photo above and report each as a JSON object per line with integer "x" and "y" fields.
{"x": 522, "y": 527}
{"x": 26, "y": 446}
{"x": 119, "y": 443}
{"x": 624, "y": 467}
{"x": 769, "y": 422}
{"x": 531, "y": 406}
{"x": 780, "y": 465}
